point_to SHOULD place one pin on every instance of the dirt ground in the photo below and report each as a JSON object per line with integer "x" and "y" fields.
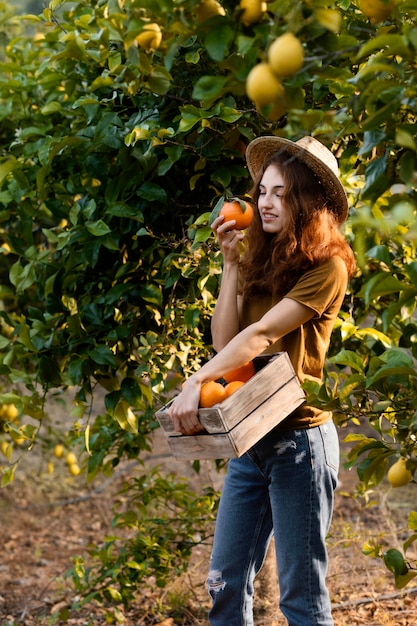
{"x": 46, "y": 519}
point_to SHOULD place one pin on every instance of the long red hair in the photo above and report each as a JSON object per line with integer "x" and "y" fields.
{"x": 272, "y": 263}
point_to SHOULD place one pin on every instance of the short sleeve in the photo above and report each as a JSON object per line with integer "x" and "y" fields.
{"x": 321, "y": 287}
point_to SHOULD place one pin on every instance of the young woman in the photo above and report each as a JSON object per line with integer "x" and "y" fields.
{"x": 282, "y": 294}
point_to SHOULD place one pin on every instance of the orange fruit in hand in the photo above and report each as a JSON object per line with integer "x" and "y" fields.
{"x": 233, "y": 210}
{"x": 211, "y": 393}
{"x": 242, "y": 373}
{"x": 233, "y": 386}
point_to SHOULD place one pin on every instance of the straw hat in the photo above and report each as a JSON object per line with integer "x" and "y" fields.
{"x": 311, "y": 152}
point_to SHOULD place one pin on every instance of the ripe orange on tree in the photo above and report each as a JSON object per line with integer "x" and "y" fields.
{"x": 233, "y": 386}
{"x": 238, "y": 210}
{"x": 211, "y": 393}
{"x": 242, "y": 373}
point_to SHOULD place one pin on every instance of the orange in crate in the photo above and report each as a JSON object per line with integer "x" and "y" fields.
{"x": 233, "y": 386}
{"x": 242, "y": 373}
{"x": 236, "y": 423}
{"x": 211, "y": 393}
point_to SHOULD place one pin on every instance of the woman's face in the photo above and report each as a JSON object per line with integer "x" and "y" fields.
{"x": 274, "y": 215}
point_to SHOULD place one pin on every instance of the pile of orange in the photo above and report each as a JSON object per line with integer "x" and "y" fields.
{"x": 244, "y": 372}
{"x": 214, "y": 392}
{"x": 211, "y": 393}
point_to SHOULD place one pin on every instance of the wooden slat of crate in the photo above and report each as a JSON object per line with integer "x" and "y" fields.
{"x": 246, "y": 433}
{"x": 226, "y": 415}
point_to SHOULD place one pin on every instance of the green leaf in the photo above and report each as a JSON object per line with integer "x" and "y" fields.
{"x": 390, "y": 43}
{"x": 375, "y": 334}
{"x": 152, "y": 192}
{"x": 22, "y": 277}
{"x": 348, "y": 358}
{"x": 192, "y": 317}
{"x": 376, "y": 180}
{"x": 209, "y": 87}
{"x": 24, "y": 336}
{"x": 394, "y": 561}
{"x": 381, "y": 284}
{"x": 380, "y": 253}
{"x": 151, "y": 293}
{"x": 114, "y": 594}
{"x": 201, "y": 235}
{"x": 125, "y": 417}
{"x": 218, "y": 40}
{"x": 407, "y": 166}
{"x": 4, "y": 342}
{"x": 411, "y": 271}
{"x": 51, "y": 108}
{"x": 402, "y": 580}
{"x": 120, "y": 209}
{"x": 159, "y": 81}
{"x": 405, "y": 139}
{"x": 48, "y": 371}
{"x": 371, "y": 139}
{"x": 7, "y": 474}
{"x": 6, "y": 167}
{"x": 102, "y": 355}
{"x": 190, "y": 116}
{"x": 387, "y": 371}
{"x": 409, "y": 542}
{"x": 216, "y": 210}
{"x": 98, "y": 228}
{"x": 132, "y": 392}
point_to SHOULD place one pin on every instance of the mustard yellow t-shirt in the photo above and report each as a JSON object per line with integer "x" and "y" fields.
{"x": 321, "y": 289}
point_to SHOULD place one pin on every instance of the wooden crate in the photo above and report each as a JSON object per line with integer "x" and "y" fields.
{"x": 237, "y": 423}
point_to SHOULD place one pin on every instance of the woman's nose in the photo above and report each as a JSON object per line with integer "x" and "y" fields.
{"x": 265, "y": 200}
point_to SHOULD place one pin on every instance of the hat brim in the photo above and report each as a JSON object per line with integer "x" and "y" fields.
{"x": 262, "y": 148}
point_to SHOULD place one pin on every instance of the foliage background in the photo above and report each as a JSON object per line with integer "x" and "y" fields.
{"x": 112, "y": 159}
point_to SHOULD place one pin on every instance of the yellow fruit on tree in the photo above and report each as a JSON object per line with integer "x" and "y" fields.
{"x": 6, "y": 329}
{"x": 8, "y": 412}
{"x": 286, "y": 55}
{"x": 59, "y": 450}
{"x": 377, "y": 10}
{"x": 398, "y": 474}
{"x": 262, "y": 86}
{"x": 208, "y": 8}
{"x": 150, "y": 38}
{"x": 74, "y": 469}
{"x": 252, "y": 11}
{"x": 71, "y": 458}
{"x": 4, "y": 447}
{"x": 329, "y": 18}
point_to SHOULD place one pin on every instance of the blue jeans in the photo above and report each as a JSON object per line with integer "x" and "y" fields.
{"x": 284, "y": 486}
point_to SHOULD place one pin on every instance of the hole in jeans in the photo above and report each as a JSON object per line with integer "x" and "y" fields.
{"x": 215, "y": 581}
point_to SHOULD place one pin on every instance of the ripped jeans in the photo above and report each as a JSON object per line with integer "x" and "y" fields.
{"x": 284, "y": 486}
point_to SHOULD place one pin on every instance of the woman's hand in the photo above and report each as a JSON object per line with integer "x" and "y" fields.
{"x": 228, "y": 238}
{"x": 184, "y": 409}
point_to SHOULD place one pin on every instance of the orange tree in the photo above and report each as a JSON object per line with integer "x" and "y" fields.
{"x": 122, "y": 124}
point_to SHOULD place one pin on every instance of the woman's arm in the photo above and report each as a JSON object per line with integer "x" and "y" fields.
{"x": 283, "y": 318}
{"x": 225, "y": 320}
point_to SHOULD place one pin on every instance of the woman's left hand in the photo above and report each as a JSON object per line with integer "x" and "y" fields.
{"x": 184, "y": 409}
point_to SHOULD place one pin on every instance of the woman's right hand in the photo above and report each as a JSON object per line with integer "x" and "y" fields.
{"x": 228, "y": 238}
